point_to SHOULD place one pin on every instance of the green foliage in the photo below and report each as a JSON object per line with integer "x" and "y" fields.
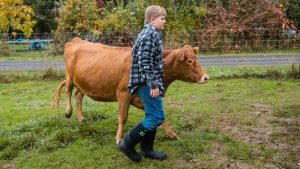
{"x": 75, "y": 16}
{"x": 45, "y": 13}
{"x": 79, "y": 16}
{"x": 293, "y": 11}
{"x": 182, "y": 18}
{"x": 120, "y": 18}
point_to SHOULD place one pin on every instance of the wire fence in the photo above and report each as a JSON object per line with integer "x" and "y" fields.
{"x": 215, "y": 41}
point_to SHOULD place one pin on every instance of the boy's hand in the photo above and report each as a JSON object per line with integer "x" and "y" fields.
{"x": 154, "y": 92}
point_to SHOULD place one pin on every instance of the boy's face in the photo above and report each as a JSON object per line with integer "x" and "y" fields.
{"x": 158, "y": 22}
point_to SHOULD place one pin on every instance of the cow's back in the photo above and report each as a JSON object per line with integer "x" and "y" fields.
{"x": 97, "y": 70}
{"x": 69, "y": 53}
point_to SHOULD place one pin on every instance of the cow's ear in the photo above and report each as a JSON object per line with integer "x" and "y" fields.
{"x": 196, "y": 50}
{"x": 180, "y": 55}
{"x": 166, "y": 53}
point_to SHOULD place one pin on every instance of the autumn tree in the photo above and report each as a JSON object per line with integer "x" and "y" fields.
{"x": 15, "y": 16}
{"x": 246, "y": 19}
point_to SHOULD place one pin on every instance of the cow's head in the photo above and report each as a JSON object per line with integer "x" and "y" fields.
{"x": 183, "y": 64}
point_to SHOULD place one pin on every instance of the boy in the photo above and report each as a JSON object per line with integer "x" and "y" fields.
{"x": 146, "y": 81}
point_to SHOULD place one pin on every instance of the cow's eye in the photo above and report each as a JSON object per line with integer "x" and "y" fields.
{"x": 190, "y": 61}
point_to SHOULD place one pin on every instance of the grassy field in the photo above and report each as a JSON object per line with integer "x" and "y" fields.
{"x": 21, "y": 52}
{"x": 274, "y": 52}
{"x": 245, "y": 117}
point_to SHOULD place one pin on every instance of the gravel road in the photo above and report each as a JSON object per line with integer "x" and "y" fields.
{"x": 206, "y": 61}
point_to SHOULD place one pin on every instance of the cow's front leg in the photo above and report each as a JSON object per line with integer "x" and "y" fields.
{"x": 79, "y": 98}
{"x": 124, "y": 101}
{"x": 169, "y": 131}
{"x": 136, "y": 102}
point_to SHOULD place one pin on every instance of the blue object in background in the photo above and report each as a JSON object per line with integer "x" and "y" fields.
{"x": 35, "y": 44}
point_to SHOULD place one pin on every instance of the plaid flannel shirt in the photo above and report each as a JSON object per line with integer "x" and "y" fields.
{"x": 147, "y": 63}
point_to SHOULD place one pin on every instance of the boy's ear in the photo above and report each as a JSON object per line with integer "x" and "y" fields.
{"x": 152, "y": 19}
{"x": 196, "y": 50}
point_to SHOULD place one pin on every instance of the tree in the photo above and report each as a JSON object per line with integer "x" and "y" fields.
{"x": 15, "y": 16}
{"x": 246, "y": 19}
{"x": 76, "y": 16}
{"x": 240, "y": 15}
{"x": 183, "y": 17}
{"x": 45, "y": 13}
{"x": 79, "y": 16}
{"x": 293, "y": 11}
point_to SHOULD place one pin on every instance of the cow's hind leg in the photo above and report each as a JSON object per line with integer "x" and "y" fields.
{"x": 124, "y": 101}
{"x": 69, "y": 89}
{"x": 79, "y": 98}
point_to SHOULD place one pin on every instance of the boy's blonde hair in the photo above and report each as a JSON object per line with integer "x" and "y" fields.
{"x": 154, "y": 11}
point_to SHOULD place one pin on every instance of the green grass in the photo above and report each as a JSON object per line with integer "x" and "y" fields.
{"x": 31, "y": 55}
{"x": 295, "y": 51}
{"x": 266, "y": 72}
{"x": 21, "y": 52}
{"x": 231, "y": 122}
{"x": 261, "y": 72}
{"x": 20, "y": 76}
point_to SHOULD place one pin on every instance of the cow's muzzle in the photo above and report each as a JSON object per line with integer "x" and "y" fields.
{"x": 203, "y": 79}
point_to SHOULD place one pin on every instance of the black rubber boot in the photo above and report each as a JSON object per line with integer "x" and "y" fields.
{"x": 127, "y": 145}
{"x": 147, "y": 147}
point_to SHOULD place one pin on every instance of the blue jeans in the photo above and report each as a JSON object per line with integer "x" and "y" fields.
{"x": 153, "y": 108}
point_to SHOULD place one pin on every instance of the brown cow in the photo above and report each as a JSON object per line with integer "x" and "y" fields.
{"x": 102, "y": 73}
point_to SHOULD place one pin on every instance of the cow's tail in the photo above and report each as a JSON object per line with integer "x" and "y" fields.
{"x": 56, "y": 98}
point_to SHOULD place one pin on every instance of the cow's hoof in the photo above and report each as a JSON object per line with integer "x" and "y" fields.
{"x": 81, "y": 121}
{"x": 68, "y": 115}
{"x": 174, "y": 137}
{"x": 118, "y": 141}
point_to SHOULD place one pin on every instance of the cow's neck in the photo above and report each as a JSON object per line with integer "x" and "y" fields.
{"x": 169, "y": 74}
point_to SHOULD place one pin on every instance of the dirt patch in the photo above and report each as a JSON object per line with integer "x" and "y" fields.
{"x": 196, "y": 117}
{"x": 180, "y": 163}
{"x": 237, "y": 164}
{"x": 261, "y": 131}
{"x": 9, "y": 166}
{"x": 253, "y": 128}
{"x": 259, "y": 127}
{"x": 217, "y": 159}
{"x": 264, "y": 108}
{"x": 217, "y": 155}
{"x": 174, "y": 105}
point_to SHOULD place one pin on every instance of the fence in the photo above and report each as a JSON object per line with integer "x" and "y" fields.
{"x": 215, "y": 41}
